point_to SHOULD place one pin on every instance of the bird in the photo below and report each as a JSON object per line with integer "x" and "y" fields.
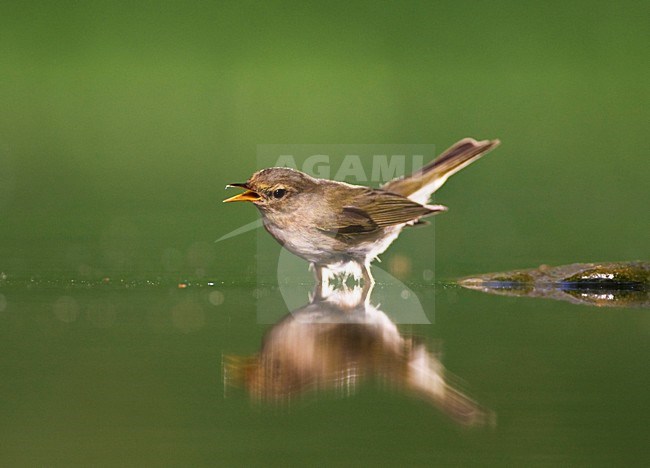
{"x": 332, "y": 224}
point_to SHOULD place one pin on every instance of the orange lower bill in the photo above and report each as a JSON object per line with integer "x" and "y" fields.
{"x": 248, "y": 195}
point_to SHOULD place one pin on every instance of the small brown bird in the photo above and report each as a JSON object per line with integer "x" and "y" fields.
{"x": 331, "y": 223}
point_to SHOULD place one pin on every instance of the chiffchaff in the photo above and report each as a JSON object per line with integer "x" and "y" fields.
{"x": 330, "y": 223}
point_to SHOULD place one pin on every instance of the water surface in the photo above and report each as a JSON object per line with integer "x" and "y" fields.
{"x": 111, "y": 375}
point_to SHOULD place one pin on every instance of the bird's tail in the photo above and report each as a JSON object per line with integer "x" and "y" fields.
{"x": 423, "y": 183}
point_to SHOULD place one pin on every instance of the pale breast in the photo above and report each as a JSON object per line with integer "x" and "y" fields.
{"x": 317, "y": 246}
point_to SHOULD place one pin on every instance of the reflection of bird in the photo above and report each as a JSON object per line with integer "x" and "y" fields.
{"x": 336, "y": 343}
{"x": 330, "y": 223}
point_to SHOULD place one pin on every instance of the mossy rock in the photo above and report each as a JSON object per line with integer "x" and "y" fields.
{"x": 612, "y": 275}
{"x": 616, "y": 284}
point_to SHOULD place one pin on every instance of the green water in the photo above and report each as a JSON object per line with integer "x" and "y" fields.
{"x": 120, "y": 124}
{"x": 115, "y": 377}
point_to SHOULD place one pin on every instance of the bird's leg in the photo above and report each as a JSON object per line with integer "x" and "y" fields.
{"x": 319, "y": 288}
{"x": 368, "y": 280}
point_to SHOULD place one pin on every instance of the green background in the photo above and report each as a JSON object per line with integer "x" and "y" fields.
{"x": 140, "y": 113}
{"x": 121, "y": 123}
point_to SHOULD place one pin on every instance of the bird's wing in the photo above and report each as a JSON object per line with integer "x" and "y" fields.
{"x": 372, "y": 210}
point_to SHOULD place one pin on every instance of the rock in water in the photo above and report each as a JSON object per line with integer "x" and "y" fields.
{"x": 615, "y": 284}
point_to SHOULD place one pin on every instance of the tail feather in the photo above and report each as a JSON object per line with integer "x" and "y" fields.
{"x": 422, "y": 184}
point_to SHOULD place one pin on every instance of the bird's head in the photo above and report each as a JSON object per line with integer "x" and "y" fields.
{"x": 274, "y": 188}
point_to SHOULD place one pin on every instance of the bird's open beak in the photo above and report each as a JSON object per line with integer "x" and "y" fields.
{"x": 248, "y": 195}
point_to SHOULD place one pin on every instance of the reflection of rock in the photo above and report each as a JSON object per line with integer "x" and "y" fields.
{"x": 336, "y": 343}
{"x": 621, "y": 284}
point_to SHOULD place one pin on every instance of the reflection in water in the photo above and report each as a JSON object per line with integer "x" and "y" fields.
{"x": 337, "y": 341}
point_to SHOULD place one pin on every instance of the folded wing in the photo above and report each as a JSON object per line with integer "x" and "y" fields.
{"x": 373, "y": 210}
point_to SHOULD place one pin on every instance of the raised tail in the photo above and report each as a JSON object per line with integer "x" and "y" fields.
{"x": 423, "y": 183}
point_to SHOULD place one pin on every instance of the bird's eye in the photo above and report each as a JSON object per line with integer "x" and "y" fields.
{"x": 279, "y": 193}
